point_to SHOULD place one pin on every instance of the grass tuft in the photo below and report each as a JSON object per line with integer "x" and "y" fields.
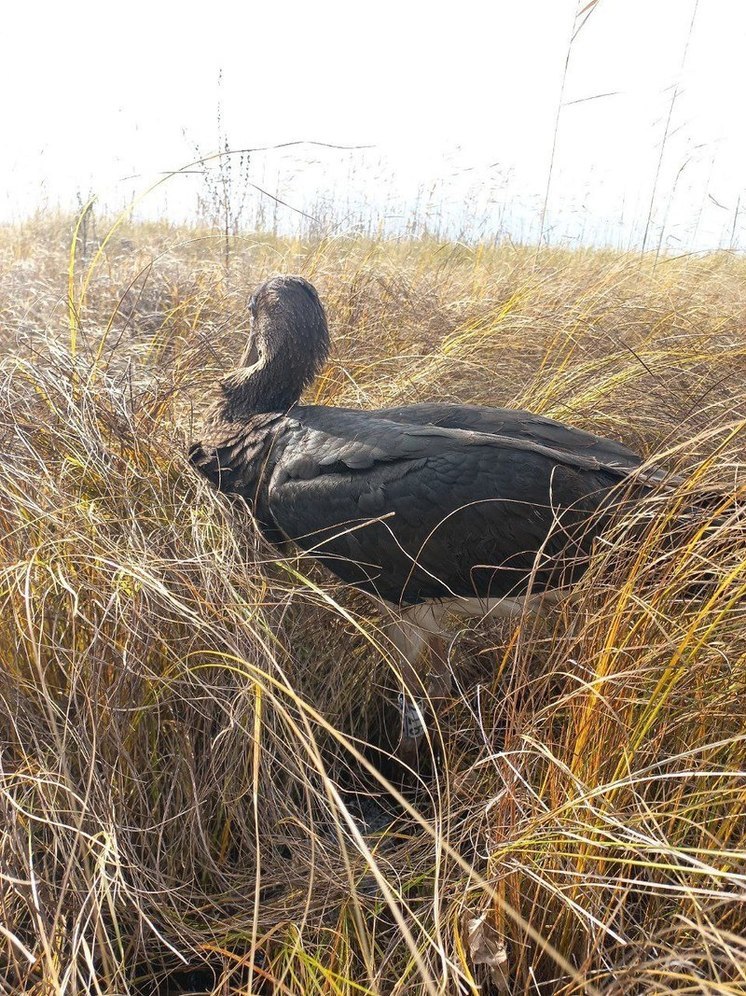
{"x": 188, "y": 792}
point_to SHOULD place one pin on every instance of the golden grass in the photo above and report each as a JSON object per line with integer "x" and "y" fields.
{"x": 186, "y": 717}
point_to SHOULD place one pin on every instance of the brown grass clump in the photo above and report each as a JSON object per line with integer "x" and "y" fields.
{"x": 188, "y": 801}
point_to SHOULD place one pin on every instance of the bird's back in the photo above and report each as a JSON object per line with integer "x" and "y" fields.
{"x": 516, "y": 424}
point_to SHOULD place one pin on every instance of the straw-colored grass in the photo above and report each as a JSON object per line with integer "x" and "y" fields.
{"x": 185, "y": 716}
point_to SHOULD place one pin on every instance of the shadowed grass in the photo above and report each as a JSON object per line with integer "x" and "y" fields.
{"x": 185, "y": 777}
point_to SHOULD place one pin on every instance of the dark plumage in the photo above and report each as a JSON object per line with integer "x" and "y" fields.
{"x": 413, "y": 503}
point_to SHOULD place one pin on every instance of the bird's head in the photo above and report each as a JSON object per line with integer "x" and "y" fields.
{"x": 287, "y": 347}
{"x": 287, "y": 320}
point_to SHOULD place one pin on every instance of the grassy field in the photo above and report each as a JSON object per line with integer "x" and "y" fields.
{"x": 188, "y": 798}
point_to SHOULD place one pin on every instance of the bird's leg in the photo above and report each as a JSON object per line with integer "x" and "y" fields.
{"x": 439, "y": 677}
{"x": 418, "y": 633}
{"x": 410, "y": 642}
{"x": 424, "y": 668}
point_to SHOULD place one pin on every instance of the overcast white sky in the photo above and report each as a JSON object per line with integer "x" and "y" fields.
{"x": 101, "y": 98}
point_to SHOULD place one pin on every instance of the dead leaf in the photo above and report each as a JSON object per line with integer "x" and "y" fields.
{"x": 486, "y": 948}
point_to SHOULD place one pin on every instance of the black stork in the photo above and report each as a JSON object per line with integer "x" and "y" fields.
{"x": 434, "y": 509}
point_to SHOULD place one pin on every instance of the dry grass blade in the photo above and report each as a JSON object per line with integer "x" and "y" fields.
{"x": 190, "y": 789}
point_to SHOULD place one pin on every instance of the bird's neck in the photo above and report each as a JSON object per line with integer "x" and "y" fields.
{"x": 266, "y": 386}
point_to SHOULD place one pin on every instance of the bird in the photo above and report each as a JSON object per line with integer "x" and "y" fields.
{"x": 433, "y": 509}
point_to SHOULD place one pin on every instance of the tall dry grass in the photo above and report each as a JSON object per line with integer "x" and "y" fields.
{"x": 191, "y": 795}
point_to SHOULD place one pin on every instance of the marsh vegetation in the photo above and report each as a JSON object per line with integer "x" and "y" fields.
{"x": 188, "y": 791}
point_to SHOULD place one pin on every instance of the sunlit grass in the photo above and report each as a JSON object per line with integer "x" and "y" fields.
{"x": 186, "y": 715}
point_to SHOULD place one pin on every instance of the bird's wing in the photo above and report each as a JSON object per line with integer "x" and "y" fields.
{"x": 517, "y": 424}
{"x": 415, "y": 511}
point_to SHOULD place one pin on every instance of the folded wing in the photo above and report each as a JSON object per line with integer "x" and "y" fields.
{"x": 417, "y": 510}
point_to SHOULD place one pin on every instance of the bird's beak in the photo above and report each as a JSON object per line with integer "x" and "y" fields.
{"x": 251, "y": 355}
